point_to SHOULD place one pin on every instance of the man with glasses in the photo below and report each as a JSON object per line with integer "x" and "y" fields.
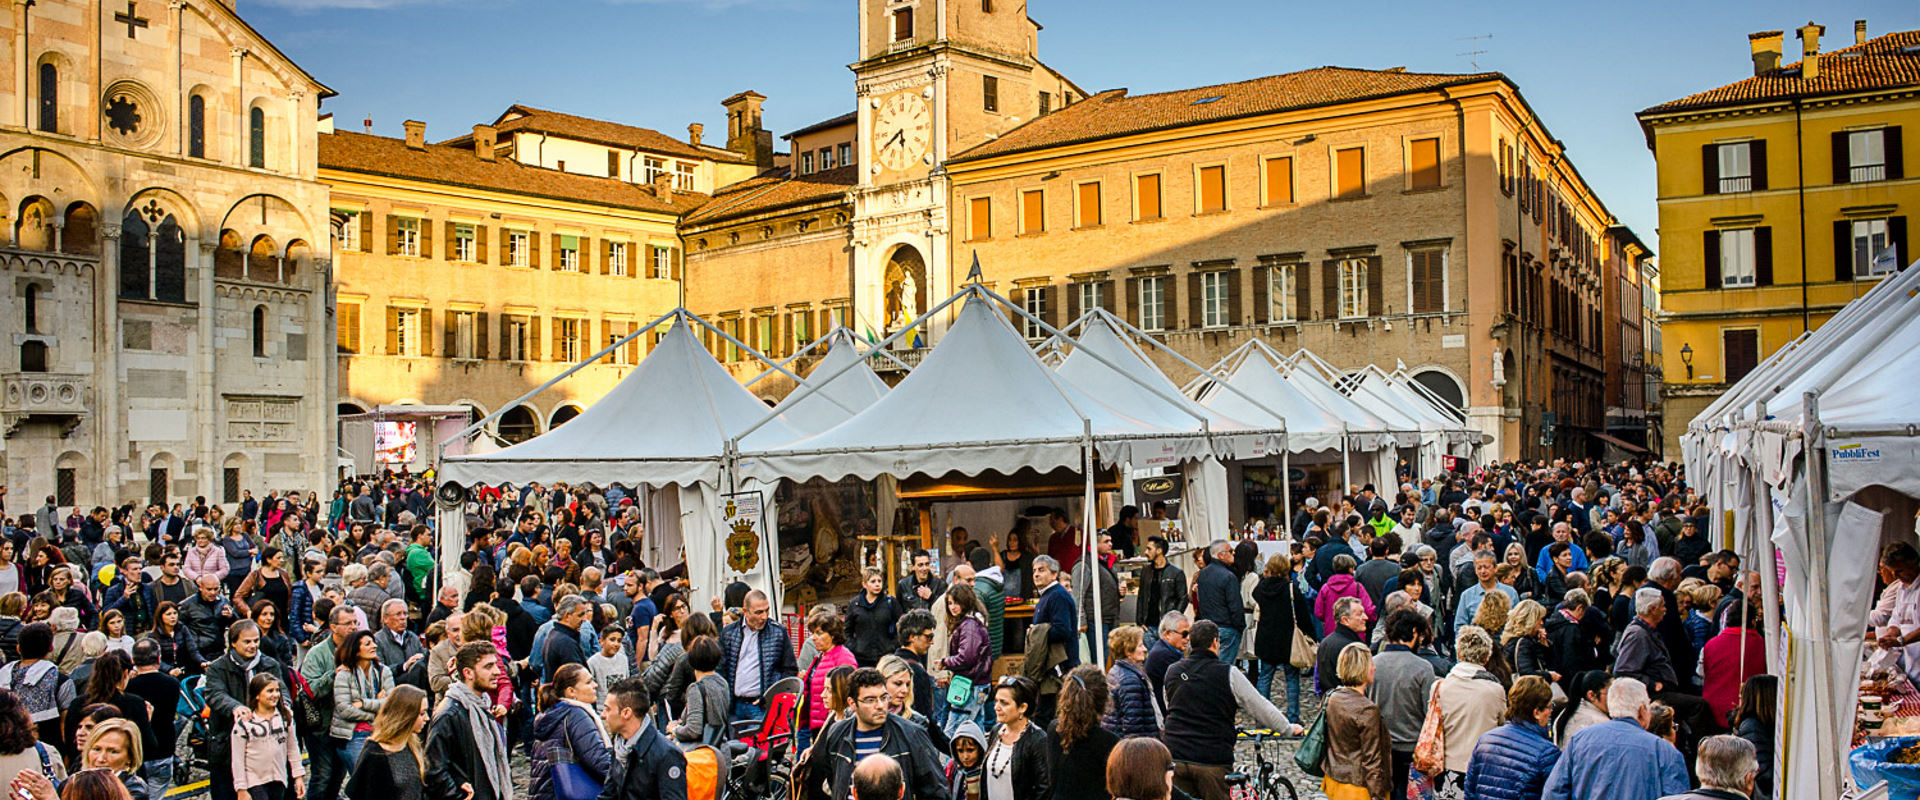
{"x": 326, "y": 755}
{"x": 401, "y": 649}
{"x": 1167, "y": 650}
{"x": 873, "y": 731}
{"x": 916, "y": 638}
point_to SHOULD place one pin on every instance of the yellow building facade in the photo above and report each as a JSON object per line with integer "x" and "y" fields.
{"x": 1782, "y": 198}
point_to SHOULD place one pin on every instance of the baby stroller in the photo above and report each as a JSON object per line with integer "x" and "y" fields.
{"x": 194, "y": 722}
{"x": 759, "y": 760}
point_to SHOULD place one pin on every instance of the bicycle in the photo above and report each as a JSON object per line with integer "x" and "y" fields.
{"x": 1268, "y": 784}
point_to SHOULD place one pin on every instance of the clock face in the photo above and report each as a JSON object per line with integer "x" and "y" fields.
{"x": 902, "y": 127}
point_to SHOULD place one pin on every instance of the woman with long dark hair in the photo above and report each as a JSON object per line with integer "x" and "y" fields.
{"x": 177, "y": 654}
{"x": 269, "y": 583}
{"x": 1017, "y": 764}
{"x": 395, "y": 766}
{"x": 108, "y": 685}
{"x": 1077, "y": 751}
{"x": 1754, "y": 721}
{"x": 480, "y": 587}
{"x": 274, "y": 640}
{"x": 570, "y": 730}
{"x": 1016, "y": 560}
{"x": 1140, "y": 769}
{"x": 20, "y": 745}
{"x": 60, "y": 584}
{"x": 360, "y": 684}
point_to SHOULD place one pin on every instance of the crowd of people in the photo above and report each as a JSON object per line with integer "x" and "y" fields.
{"x": 1558, "y": 630}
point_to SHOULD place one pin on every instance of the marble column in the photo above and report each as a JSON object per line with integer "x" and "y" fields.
{"x": 110, "y": 447}
{"x": 207, "y": 400}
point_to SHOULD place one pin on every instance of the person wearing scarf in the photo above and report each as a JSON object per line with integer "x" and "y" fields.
{"x": 466, "y": 746}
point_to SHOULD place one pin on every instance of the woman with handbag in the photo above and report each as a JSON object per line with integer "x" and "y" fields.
{"x": 1358, "y": 749}
{"x": 572, "y": 752}
{"x": 969, "y": 656}
{"x": 1282, "y": 642}
{"x": 393, "y": 768}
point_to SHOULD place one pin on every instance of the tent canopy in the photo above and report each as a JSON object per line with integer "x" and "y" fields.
{"x": 666, "y": 423}
{"x": 840, "y": 398}
{"x": 1145, "y": 393}
{"x": 1310, "y": 427}
{"x": 979, "y": 401}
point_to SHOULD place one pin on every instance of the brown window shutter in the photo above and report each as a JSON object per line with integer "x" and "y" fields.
{"x": 636, "y": 263}
{"x": 555, "y": 238}
{"x": 1376, "y": 286}
{"x": 533, "y": 249}
{"x": 366, "y": 231}
{"x": 1033, "y": 211}
{"x": 675, "y": 257}
{"x": 1132, "y": 311}
{"x": 1279, "y": 181}
{"x": 1896, "y": 162}
{"x": 1897, "y": 236}
{"x": 1149, "y": 197}
{"x": 1089, "y": 211}
{"x": 393, "y": 235}
{"x": 1194, "y": 296}
{"x": 1709, "y": 169}
{"x": 1018, "y": 297}
{"x": 506, "y": 339}
{"x": 1841, "y": 172}
{"x": 1213, "y": 189}
{"x": 535, "y": 339}
{"x": 447, "y": 231}
{"x": 1053, "y": 305}
{"x": 1436, "y": 281}
{"x": 448, "y": 331}
{"x": 481, "y": 235}
{"x": 1302, "y": 293}
{"x": 1106, "y": 295}
{"x": 1710, "y": 258}
{"x": 980, "y": 218}
{"x": 426, "y": 239}
{"x": 1763, "y": 256}
{"x": 1424, "y": 157}
{"x": 393, "y": 331}
{"x": 480, "y": 335}
{"x": 1073, "y": 302}
{"x": 606, "y": 258}
{"x": 1330, "y": 288}
{"x": 1262, "y": 295}
{"x": 1233, "y": 297}
{"x": 824, "y": 323}
{"x": 1757, "y": 153}
{"x": 426, "y": 332}
{"x": 1350, "y": 169}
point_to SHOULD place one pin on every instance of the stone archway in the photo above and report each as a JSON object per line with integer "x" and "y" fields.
{"x": 904, "y": 284}
{"x": 1443, "y": 386}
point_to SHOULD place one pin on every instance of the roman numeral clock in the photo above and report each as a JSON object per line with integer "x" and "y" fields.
{"x": 901, "y": 132}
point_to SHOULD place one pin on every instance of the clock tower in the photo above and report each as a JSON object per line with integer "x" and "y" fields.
{"x": 935, "y": 77}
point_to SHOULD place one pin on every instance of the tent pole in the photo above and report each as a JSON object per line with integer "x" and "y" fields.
{"x": 1092, "y": 554}
{"x": 1286, "y": 493}
{"x": 1825, "y": 737}
{"x": 1346, "y": 467}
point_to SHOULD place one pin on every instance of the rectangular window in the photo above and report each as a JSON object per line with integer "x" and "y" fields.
{"x": 1353, "y": 288}
{"x": 66, "y": 486}
{"x": 731, "y": 351}
{"x": 347, "y": 327}
{"x": 1423, "y": 163}
{"x": 1867, "y": 156}
{"x": 1091, "y": 295}
{"x": 1873, "y": 251}
{"x": 826, "y": 158}
{"x": 407, "y": 236}
{"x": 569, "y": 256}
{"x": 1350, "y": 172}
{"x": 683, "y": 175}
{"x": 1033, "y": 211}
{"x": 623, "y": 355}
{"x": 806, "y": 163}
{"x": 1213, "y": 299}
{"x": 1736, "y": 258}
{"x": 613, "y": 164}
{"x": 229, "y": 484}
{"x": 1087, "y": 213}
{"x": 1736, "y": 167}
{"x": 464, "y": 242}
{"x": 1147, "y": 197}
{"x": 157, "y": 486}
{"x": 763, "y": 332}
{"x": 349, "y": 229}
{"x": 1427, "y": 281}
{"x": 1213, "y": 189}
{"x": 1740, "y": 349}
{"x": 1035, "y": 302}
{"x": 517, "y": 248}
{"x": 1153, "y": 303}
{"x": 845, "y": 154}
{"x": 800, "y": 327}
{"x": 406, "y": 332}
{"x": 655, "y": 167}
{"x": 1279, "y": 181}
{"x": 990, "y": 92}
{"x": 1046, "y": 103}
{"x": 516, "y": 338}
{"x": 466, "y": 334}
{"x": 567, "y": 334}
{"x": 903, "y": 24}
{"x": 663, "y": 263}
{"x": 979, "y": 219}
{"x": 617, "y": 259}
{"x": 1280, "y": 293}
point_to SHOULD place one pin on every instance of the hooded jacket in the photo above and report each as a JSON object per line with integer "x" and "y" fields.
{"x": 1336, "y": 587}
{"x": 958, "y": 776}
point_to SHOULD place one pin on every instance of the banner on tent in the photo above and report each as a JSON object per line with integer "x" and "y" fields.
{"x": 743, "y": 513}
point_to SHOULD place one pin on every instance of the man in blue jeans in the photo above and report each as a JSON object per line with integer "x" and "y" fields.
{"x": 327, "y": 765}
{"x": 756, "y": 654}
{"x": 1219, "y": 598}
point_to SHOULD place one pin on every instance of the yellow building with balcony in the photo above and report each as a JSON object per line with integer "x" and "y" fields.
{"x": 1782, "y": 197}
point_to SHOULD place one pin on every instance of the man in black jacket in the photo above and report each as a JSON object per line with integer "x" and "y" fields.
{"x": 1219, "y": 599}
{"x": 1163, "y": 587}
{"x": 647, "y": 766}
{"x": 1350, "y": 626}
{"x": 205, "y": 615}
{"x": 563, "y": 642}
{"x": 905, "y": 743}
{"x": 1167, "y": 650}
{"x": 466, "y": 750}
{"x": 401, "y": 649}
{"x": 226, "y": 693}
{"x": 920, "y": 586}
{"x": 1204, "y": 696}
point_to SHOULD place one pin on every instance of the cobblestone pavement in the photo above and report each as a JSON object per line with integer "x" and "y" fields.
{"x": 1280, "y": 753}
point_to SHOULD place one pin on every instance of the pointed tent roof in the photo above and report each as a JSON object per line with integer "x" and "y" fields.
{"x": 666, "y": 423}
{"x": 1146, "y": 393}
{"x": 1373, "y": 384}
{"x": 1309, "y": 426}
{"x": 838, "y": 400}
{"x": 979, "y": 401}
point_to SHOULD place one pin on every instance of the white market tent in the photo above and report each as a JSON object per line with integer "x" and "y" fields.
{"x": 1817, "y": 453}
{"x": 1441, "y": 431}
{"x": 833, "y": 402}
{"x": 665, "y": 427}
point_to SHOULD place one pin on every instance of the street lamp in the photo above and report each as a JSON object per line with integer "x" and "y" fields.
{"x": 1686, "y": 357}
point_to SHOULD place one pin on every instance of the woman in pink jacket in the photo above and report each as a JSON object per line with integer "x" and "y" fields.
{"x": 829, "y": 633}
{"x": 204, "y": 557}
{"x": 1342, "y": 584}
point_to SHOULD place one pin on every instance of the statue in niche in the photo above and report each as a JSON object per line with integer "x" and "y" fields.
{"x": 903, "y": 288}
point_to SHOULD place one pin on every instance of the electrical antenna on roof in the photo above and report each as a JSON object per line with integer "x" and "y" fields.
{"x": 1474, "y": 52}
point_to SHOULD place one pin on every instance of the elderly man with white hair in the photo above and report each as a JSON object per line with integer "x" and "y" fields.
{"x": 401, "y": 649}
{"x": 1729, "y": 768}
{"x": 1619, "y": 759}
{"x": 1643, "y": 654}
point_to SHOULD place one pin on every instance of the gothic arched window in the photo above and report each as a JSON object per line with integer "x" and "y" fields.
{"x": 197, "y": 126}
{"x": 49, "y": 98}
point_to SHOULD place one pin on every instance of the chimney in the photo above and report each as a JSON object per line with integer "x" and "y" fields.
{"x": 1859, "y": 31}
{"x": 416, "y": 134}
{"x": 1766, "y": 51}
{"x": 663, "y": 186}
{"x": 693, "y": 133}
{"x": 367, "y": 125}
{"x": 1810, "y": 49}
{"x": 483, "y": 142}
{"x": 745, "y": 134}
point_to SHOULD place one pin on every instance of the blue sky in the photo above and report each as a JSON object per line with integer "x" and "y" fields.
{"x": 1585, "y": 67}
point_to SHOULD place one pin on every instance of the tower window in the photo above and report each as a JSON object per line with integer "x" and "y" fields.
{"x": 259, "y": 331}
{"x": 49, "y": 98}
{"x": 197, "y": 126}
{"x": 257, "y": 138}
{"x": 903, "y": 25}
{"x": 990, "y": 92}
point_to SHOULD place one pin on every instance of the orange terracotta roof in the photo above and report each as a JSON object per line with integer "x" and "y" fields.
{"x": 1114, "y": 113}
{"x": 1887, "y": 62}
{"x": 775, "y": 190}
{"x": 436, "y": 163}
{"x": 521, "y": 118}
{"x": 844, "y": 119}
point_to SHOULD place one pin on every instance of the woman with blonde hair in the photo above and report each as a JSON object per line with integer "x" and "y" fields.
{"x": 1491, "y": 617}
{"x": 1359, "y": 751}
{"x": 394, "y": 764}
{"x": 114, "y": 745}
{"x": 899, "y": 675}
{"x": 1525, "y": 642}
{"x": 1471, "y": 702}
{"x": 1135, "y": 710}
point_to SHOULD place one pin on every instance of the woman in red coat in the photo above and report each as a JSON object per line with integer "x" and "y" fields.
{"x": 1735, "y": 654}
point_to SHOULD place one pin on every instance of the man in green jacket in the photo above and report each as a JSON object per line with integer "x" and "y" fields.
{"x": 420, "y": 560}
{"x": 326, "y": 756}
